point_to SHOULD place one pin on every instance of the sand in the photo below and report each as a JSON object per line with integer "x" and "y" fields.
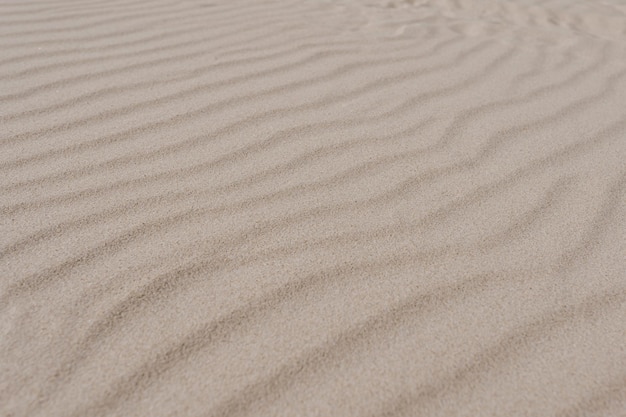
{"x": 312, "y": 208}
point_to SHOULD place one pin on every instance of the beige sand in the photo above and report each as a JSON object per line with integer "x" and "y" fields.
{"x": 313, "y": 208}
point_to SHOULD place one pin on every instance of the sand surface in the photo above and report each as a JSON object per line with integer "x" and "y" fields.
{"x": 312, "y": 208}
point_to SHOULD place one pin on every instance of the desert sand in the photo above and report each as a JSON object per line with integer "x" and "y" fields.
{"x": 312, "y": 208}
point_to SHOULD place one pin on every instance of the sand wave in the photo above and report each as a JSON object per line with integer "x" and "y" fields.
{"x": 355, "y": 208}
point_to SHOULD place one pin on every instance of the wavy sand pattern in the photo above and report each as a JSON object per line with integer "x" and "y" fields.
{"x": 313, "y": 208}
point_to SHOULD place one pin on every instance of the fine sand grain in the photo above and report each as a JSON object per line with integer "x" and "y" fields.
{"x": 312, "y": 208}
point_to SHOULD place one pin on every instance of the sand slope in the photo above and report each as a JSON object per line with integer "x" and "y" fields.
{"x": 312, "y": 208}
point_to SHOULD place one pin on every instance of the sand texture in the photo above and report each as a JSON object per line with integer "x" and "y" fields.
{"x": 312, "y": 208}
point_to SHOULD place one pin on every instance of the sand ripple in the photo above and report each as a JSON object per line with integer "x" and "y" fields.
{"x": 330, "y": 208}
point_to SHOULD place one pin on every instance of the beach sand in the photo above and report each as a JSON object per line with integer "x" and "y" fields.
{"x": 312, "y": 208}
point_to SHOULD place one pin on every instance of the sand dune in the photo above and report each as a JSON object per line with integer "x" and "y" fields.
{"x": 313, "y": 208}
